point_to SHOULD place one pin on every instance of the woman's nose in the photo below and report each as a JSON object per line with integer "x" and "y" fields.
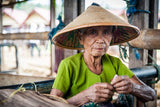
{"x": 100, "y": 39}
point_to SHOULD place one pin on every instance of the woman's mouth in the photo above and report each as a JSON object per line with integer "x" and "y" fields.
{"x": 99, "y": 49}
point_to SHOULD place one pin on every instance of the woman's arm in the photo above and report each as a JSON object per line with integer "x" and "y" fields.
{"x": 141, "y": 90}
{"x": 134, "y": 86}
{"x": 98, "y": 92}
{"x": 78, "y": 99}
{"x": 56, "y": 92}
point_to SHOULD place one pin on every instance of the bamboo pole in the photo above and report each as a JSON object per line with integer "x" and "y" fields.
{"x": 148, "y": 39}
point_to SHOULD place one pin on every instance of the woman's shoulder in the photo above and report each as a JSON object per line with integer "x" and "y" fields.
{"x": 74, "y": 58}
{"x": 112, "y": 58}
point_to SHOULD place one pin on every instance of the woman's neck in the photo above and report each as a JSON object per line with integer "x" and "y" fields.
{"x": 93, "y": 62}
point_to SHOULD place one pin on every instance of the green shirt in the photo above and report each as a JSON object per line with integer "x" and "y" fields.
{"x": 74, "y": 76}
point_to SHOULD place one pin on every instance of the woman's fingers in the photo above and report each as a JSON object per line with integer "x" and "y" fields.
{"x": 104, "y": 86}
{"x": 100, "y": 92}
{"x": 118, "y": 79}
{"x": 99, "y": 97}
{"x": 122, "y": 84}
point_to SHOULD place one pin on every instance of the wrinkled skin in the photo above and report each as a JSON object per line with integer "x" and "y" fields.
{"x": 96, "y": 41}
{"x": 122, "y": 84}
{"x": 100, "y": 92}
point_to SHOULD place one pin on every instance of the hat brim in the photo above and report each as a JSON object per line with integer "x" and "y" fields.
{"x": 69, "y": 38}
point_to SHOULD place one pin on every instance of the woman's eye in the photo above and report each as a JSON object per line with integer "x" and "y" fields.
{"x": 105, "y": 32}
{"x": 92, "y": 32}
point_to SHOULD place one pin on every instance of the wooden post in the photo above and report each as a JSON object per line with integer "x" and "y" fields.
{"x": 153, "y": 23}
{"x": 143, "y": 20}
{"x": 81, "y": 6}
{"x": 1, "y": 33}
{"x": 70, "y": 12}
{"x": 72, "y": 8}
{"x": 52, "y": 24}
{"x": 0, "y": 17}
{"x": 140, "y": 20}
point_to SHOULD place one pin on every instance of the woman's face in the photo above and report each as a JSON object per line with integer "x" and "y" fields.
{"x": 96, "y": 40}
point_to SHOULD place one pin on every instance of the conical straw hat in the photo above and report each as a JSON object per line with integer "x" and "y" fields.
{"x": 95, "y": 16}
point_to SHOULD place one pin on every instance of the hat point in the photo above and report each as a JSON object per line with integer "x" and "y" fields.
{"x": 95, "y": 4}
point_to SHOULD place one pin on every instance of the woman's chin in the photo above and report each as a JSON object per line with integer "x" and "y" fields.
{"x": 98, "y": 54}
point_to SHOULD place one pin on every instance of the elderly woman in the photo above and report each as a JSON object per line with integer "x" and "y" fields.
{"x": 93, "y": 75}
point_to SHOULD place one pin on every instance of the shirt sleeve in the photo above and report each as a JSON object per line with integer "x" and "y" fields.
{"x": 62, "y": 81}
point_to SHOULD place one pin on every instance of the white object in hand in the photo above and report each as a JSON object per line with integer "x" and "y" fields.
{"x": 115, "y": 76}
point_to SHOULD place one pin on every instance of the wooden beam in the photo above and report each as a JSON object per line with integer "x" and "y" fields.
{"x": 9, "y": 79}
{"x": 148, "y": 39}
{"x": 25, "y": 36}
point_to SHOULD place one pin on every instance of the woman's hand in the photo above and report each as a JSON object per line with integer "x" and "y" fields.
{"x": 122, "y": 84}
{"x": 99, "y": 92}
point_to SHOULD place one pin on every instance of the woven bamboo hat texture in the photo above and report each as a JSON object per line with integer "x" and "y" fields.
{"x": 94, "y": 16}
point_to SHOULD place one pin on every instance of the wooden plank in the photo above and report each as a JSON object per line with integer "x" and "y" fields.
{"x": 25, "y": 36}
{"x": 9, "y": 79}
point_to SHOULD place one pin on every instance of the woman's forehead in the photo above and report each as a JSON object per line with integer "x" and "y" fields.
{"x": 84, "y": 30}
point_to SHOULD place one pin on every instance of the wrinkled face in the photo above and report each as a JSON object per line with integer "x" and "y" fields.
{"x": 96, "y": 40}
